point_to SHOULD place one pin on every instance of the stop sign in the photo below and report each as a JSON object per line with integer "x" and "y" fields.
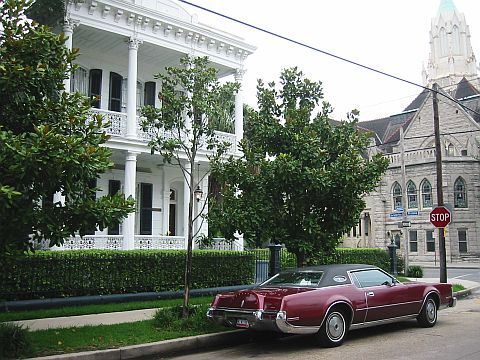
{"x": 440, "y": 217}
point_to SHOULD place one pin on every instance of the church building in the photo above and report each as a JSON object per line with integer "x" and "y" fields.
{"x": 399, "y": 209}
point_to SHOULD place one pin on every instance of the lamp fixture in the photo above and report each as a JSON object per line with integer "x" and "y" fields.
{"x": 198, "y": 192}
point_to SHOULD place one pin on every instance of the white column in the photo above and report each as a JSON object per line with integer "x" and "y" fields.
{"x": 68, "y": 26}
{"x": 186, "y": 199}
{"x": 133, "y": 44}
{"x": 201, "y": 203}
{"x": 166, "y": 212}
{"x": 239, "y": 106}
{"x": 129, "y": 190}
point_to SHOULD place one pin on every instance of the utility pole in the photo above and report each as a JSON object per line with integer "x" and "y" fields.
{"x": 438, "y": 158}
{"x": 405, "y": 201}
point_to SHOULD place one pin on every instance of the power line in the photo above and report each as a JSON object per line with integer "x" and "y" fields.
{"x": 302, "y": 44}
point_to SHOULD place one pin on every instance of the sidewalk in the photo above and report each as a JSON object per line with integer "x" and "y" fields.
{"x": 451, "y": 265}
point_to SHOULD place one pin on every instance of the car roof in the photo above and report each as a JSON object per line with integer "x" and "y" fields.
{"x": 335, "y": 267}
{"x": 335, "y": 274}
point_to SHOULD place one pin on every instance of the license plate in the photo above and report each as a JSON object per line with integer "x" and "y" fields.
{"x": 242, "y": 323}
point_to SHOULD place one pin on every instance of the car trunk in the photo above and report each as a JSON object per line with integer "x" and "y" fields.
{"x": 269, "y": 299}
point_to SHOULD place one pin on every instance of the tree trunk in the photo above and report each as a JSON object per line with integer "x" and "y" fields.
{"x": 300, "y": 256}
{"x": 188, "y": 263}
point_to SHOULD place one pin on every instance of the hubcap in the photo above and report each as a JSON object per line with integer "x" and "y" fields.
{"x": 335, "y": 326}
{"x": 431, "y": 313}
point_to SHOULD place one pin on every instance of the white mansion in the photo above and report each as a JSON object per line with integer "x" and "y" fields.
{"x": 407, "y": 192}
{"x": 123, "y": 44}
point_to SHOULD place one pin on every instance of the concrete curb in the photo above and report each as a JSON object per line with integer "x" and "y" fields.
{"x": 464, "y": 293}
{"x": 160, "y": 348}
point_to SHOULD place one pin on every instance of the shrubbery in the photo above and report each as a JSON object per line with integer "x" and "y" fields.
{"x": 48, "y": 274}
{"x": 14, "y": 341}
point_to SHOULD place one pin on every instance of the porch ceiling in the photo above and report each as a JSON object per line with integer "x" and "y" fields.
{"x": 98, "y": 45}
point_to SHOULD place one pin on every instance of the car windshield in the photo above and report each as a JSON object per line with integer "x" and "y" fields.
{"x": 295, "y": 278}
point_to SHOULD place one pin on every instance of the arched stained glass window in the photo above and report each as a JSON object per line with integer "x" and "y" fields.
{"x": 426, "y": 194}
{"x": 396, "y": 195}
{"x": 460, "y": 193}
{"x": 412, "y": 196}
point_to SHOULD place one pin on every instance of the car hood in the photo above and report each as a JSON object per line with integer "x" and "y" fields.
{"x": 255, "y": 299}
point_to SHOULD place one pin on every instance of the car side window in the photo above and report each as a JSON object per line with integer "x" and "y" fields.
{"x": 373, "y": 277}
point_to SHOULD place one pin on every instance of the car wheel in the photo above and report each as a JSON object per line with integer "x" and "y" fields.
{"x": 333, "y": 330}
{"x": 428, "y": 314}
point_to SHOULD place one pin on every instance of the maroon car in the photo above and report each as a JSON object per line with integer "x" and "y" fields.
{"x": 329, "y": 300}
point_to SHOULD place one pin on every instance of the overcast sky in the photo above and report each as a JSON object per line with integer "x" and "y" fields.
{"x": 391, "y": 36}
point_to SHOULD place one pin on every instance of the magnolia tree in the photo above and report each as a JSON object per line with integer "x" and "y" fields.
{"x": 302, "y": 178}
{"x": 48, "y": 142}
{"x": 192, "y": 103}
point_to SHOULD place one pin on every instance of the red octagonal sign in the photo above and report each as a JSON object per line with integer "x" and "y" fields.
{"x": 440, "y": 217}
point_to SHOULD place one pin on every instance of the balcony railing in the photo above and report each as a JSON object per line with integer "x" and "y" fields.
{"x": 411, "y": 156}
{"x": 118, "y": 127}
{"x": 142, "y": 242}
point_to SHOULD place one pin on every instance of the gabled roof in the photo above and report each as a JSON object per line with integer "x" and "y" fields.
{"x": 387, "y": 129}
{"x": 465, "y": 89}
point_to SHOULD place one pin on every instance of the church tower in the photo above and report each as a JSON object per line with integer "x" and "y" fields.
{"x": 451, "y": 53}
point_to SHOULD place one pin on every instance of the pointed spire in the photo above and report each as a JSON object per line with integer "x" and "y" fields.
{"x": 446, "y": 6}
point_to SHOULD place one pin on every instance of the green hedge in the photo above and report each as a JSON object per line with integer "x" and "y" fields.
{"x": 376, "y": 257}
{"x": 48, "y": 274}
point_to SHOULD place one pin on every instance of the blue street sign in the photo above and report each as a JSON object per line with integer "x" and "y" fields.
{"x": 412, "y": 212}
{"x": 399, "y": 209}
{"x": 395, "y": 214}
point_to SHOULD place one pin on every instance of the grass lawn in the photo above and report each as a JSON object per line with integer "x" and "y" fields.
{"x": 98, "y": 309}
{"x": 88, "y": 338}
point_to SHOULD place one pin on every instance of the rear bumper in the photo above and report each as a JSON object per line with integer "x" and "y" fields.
{"x": 453, "y": 302}
{"x": 257, "y": 320}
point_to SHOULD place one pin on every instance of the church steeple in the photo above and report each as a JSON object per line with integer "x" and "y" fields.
{"x": 451, "y": 53}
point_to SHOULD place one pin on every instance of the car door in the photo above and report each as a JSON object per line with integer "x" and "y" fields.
{"x": 385, "y": 297}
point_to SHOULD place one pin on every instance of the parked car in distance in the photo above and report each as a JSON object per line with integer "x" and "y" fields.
{"x": 330, "y": 300}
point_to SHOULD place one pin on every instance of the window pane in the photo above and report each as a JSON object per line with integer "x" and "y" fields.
{"x": 460, "y": 194}
{"x": 413, "y": 241}
{"x": 150, "y": 93}
{"x": 146, "y": 195}
{"x": 115, "y": 92}
{"x": 462, "y": 241}
{"x": 96, "y": 86}
{"x": 369, "y": 278}
{"x": 113, "y": 188}
{"x": 430, "y": 241}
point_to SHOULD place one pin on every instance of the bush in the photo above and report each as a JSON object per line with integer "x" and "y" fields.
{"x": 14, "y": 341}
{"x": 415, "y": 271}
{"x": 102, "y": 272}
{"x": 171, "y": 318}
{"x": 377, "y": 257}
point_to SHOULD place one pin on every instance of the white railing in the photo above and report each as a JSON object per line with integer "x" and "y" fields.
{"x": 222, "y": 244}
{"x": 117, "y": 121}
{"x": 154, "y": 242}
{"x": 142, "y": 242}
{"x": 411, "y": 156}
{"x": 118, "y": 127}
{"x": 105, "y": 242}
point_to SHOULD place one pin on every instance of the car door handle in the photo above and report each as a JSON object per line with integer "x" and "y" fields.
{"x": 370, "y": 293}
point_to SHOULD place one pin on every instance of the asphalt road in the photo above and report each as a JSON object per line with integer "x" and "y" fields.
{"x": 454, "y": 337}
{"x": 460, "y": 273}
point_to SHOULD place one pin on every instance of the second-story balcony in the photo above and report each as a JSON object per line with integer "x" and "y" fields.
{"x": 117, "y": 127}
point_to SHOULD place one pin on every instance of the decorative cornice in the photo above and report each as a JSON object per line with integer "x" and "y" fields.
{"x": 148, "y": 22}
